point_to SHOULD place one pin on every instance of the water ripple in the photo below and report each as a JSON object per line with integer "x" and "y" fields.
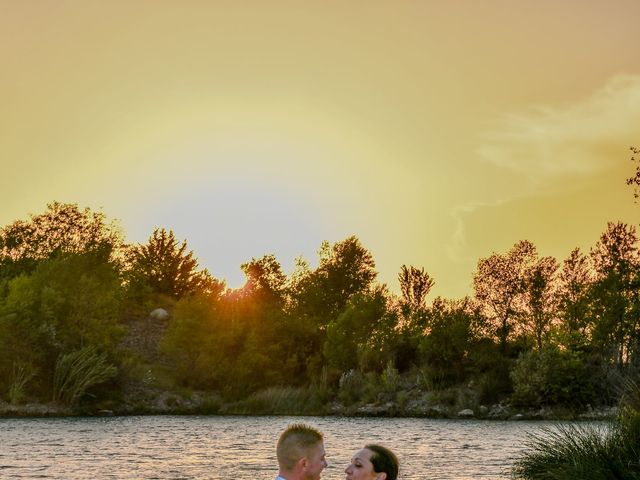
{"x": 243, "y": 448}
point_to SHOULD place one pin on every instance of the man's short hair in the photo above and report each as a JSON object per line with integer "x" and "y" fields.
{"x": 295, "y": 443}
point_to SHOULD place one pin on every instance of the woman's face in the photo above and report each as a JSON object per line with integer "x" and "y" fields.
{"x": 361, "y": 467}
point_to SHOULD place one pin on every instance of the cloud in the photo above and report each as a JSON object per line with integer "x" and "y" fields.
{"x": 553, "y": 149}
{"x": 571, "y": 139}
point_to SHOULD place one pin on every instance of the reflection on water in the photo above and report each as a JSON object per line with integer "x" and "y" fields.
{"x": 243, "y": 448}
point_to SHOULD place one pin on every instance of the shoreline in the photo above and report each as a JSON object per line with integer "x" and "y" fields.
{"x": 496, "y": 412}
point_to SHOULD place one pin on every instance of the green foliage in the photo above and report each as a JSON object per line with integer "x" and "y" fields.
{"x": 587, "y": 452}
{"x": 572, "y": 294}
{"x": 346, "y": 269}
{"x": 78, "y": 371}
{"x": 280, "y": 401}
{"x": 67, "y": 302}
{"x": 551, "y": 377}
{"x": 265, "y": 281}
{"x": 196, "y": 342}
{"x": 498, "y": 284}
{"x": 62, "y": 229}
{"x": 539, "y": 300}
{"x": 351, "y": 386}
{"x": 360, "y": 334}
{"x": 446, "y": 347}
{"x": 615, "y": 299}
{"x": 390, "y": 379}
{"x": 65, "y": 285}
{"x": 17, "y": 388}
{"x": 415, "y": 285}
{"x": 165, "y": 266}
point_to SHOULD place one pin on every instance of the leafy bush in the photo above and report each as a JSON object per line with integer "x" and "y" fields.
{"x": 21, "y": 376}
{"x": 77, "y": 371}
{"x": 551, "y": 377}
{"x": 494, "y": 384}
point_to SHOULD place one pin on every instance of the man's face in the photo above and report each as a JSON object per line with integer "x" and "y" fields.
{"x": 315, "y": 462}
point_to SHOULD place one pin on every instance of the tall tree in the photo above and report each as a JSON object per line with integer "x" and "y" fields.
{"x": 450, "y": 339}
{"x": 539, "y": 298}
{"x": 345, "y": 269}
{"x": 498, "y": 284}
{"x": 197, "y": 341}
{"x": 361, "y": 330}
{"x": 572, "y": 297}
{"x": 616, "y": 309}
{"x": 166, "y": 266}
{"x": 62, "y": 229}
{"x": 266, "y": 282}
{"x": 415, "y": 285}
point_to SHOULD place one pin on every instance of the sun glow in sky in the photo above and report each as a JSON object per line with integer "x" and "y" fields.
{"x": 436, "y": 132}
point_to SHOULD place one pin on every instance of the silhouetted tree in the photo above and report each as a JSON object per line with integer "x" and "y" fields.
{"x": 62, "y": 229}
{"x": 266, "y": 282}
{"x": 357, "y": 332}
{"x": 166, "y": 266}
{"x": 572, "y": 297}
{"x": 615, "y": 291}
{"x": 452, "y": 332}
{"x": 539, "y": 300}
{"x": 635, "y": 179}
{"x": 415, "y": 285}
{"x": 498, "y": 284}
{"x": 319, "y": 296}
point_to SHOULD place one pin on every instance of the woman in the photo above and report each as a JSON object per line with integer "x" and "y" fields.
{"x": 373, "y": 462}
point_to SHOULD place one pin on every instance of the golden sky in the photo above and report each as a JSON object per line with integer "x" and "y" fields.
{"x": 437, "y": 132}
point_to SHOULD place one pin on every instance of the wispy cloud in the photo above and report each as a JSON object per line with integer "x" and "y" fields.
{"x": 549, "y": 141}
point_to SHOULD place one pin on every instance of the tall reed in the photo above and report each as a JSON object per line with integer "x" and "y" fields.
{"x": 611, "y": 451}
{"x": 280, "y": 401}
{"x": 77, "y": 371}
{"x": 17, "y": 389}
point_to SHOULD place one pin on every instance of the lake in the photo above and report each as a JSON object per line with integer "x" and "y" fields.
{"x": 243, "y": 448}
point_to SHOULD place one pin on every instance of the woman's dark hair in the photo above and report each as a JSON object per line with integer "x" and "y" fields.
{"x": 384, "y": 461}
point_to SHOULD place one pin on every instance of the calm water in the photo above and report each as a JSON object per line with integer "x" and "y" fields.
{"x": 243, "y": 448}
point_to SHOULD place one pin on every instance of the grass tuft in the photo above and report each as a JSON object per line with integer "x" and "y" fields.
{"x": 280, "y": 401}
{"x": 574, "y": 452}
{"x": 77, "y": 371}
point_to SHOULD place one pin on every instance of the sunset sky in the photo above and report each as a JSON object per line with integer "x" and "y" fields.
{"x": 437, "y": 132}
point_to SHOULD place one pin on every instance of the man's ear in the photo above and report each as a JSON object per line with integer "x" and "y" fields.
{"x": 381, "y": 476}
{"x": 303, "y": 463}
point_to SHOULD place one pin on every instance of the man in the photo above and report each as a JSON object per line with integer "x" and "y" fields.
{"x": 300, "y": 453}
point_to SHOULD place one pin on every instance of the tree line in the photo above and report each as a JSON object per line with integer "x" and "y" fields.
{"x": 535, "y": 331}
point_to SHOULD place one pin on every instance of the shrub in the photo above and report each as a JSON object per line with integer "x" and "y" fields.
{"x": 430, "y": 378}
{"x": 493, "y": 385}
{"x": 279, "y": 401}
{"x": 77, "y": 371}
{"x": 551, "y": 377}
{"x": 390, "y": 378}
{"x": 351, "y": 386}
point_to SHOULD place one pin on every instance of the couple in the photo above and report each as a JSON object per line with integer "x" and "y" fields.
{"x": 301, "y": 457}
